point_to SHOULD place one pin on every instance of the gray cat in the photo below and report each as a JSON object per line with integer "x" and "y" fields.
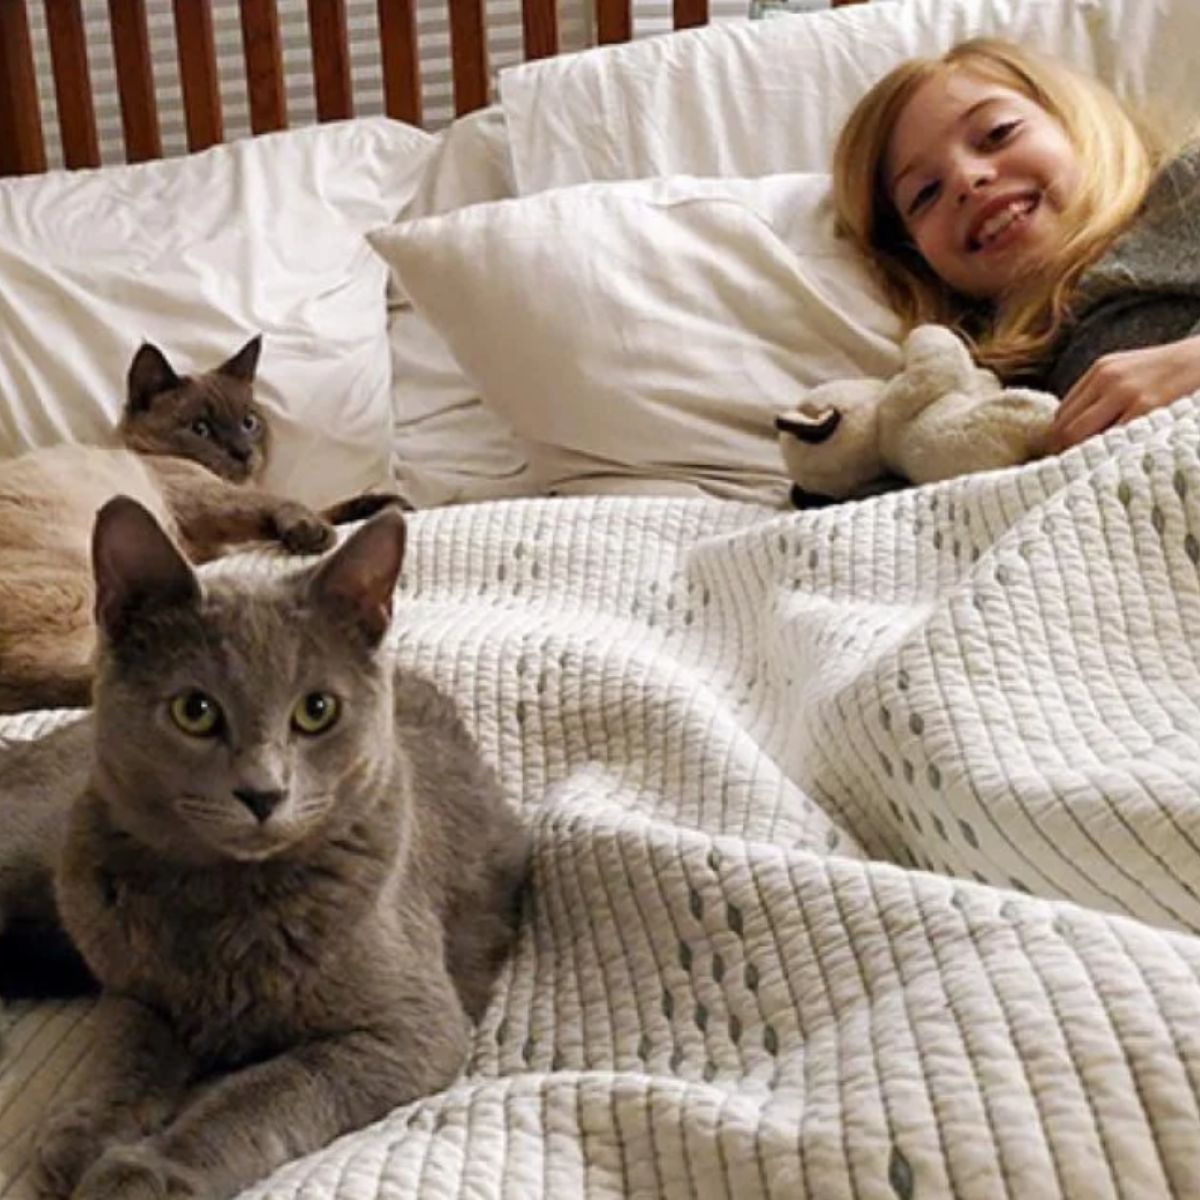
{"x": 289, "y": 867}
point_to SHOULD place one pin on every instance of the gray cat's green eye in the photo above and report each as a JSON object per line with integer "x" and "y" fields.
{"x": 196, "y": 714}
{"x": 315, "y": 712}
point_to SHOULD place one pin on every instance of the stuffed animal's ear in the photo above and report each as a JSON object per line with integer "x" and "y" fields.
{"x": 809, "y": 425}
{"x": 940, "y": 356}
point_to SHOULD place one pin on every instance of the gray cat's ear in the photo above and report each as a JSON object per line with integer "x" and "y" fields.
{"x": 149, "y": 375}
{"x": 359, "y": 578}
{"x": 244, "y": 363}
{"x": 135, "y": 564}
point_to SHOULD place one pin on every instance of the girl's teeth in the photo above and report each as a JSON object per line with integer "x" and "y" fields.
{"x": 996, "y": 225}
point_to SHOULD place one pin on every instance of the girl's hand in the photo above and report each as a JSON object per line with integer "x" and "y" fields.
{"x": 1124, "y": 385}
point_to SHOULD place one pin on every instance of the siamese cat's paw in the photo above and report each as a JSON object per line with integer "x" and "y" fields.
{"x": 138, "y": 1172}
{"x": 301, "y": 531}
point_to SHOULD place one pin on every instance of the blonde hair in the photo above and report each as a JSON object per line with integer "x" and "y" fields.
{"x": 1117, "y": 159}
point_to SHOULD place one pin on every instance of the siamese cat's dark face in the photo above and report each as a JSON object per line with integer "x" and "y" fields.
{"x": 211, "y": 419}
{"x": 239, "y": 720}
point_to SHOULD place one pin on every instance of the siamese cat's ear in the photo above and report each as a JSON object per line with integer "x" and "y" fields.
{"x": 149, "y": 375}
{"x": 134, "y": 563}
{"x": 359, "y": 578}
{"x": 244, "y": 363}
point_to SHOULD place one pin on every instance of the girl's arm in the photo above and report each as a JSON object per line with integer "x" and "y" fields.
{"x": 1118, "y": 387}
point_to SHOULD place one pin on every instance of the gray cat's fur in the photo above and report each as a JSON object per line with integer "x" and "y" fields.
{"x": 293, "y": 931}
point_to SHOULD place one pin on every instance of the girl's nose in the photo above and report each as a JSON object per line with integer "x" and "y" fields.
{"x": 973, "y": 177}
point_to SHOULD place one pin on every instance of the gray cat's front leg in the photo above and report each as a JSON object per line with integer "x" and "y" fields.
{"x": 248, "y": 1123}
{"x": 135, "y": 1086}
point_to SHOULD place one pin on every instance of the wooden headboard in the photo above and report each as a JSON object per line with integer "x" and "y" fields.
{"x": 23, "y": 140}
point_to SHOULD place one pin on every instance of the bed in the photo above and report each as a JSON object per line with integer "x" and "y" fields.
{"x": 867, "y": 842}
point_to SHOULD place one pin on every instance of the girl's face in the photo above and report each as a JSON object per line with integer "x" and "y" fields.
{"x": 980, "y": 175}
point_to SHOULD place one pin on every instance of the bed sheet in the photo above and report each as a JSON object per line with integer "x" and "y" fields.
{"x": 866, "y": 844}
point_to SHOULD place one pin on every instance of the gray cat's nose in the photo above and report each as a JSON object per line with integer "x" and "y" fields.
{"x": 261, "y": 804}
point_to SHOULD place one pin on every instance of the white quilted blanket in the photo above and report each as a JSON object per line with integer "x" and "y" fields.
{"x": 867, "y": 845}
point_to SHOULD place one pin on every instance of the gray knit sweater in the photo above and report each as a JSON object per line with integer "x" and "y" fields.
{"x": 1146, "y": 289}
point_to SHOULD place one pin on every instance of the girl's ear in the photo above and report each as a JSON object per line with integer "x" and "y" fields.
{"x": 358, "y": 579}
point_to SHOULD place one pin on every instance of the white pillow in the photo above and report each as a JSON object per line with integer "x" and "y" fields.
{"x": 644, "y": 334}
{"x": 196, "y": 254}
{"x": 751, "y": 98}
{"x": 446, "y": 447}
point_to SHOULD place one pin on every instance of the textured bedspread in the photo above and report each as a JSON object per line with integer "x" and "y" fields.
{"x": 867, "y": 845}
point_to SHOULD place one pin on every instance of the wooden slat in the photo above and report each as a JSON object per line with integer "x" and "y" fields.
{"x": 197, "y": 53}
{"x": 22, "y": 148}
{"x": 331, "y": 59}
{"x": 539, "y": 20}
{"x": 614, "y": 21}
{"x": 468, "y": 55}
{"x": 263, "y": 52}
{"x": 72, "y": 83}
{"x": 401, "y": 62}
{"x": 135, "y": 79}
{"x": 687, "y": 14}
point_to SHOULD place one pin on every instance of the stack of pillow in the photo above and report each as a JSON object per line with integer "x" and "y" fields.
{"x": 666, "y": 276}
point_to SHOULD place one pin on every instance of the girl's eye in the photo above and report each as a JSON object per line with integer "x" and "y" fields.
{"x": 250, "y": 423}
{"x": 196, "y": 714}
{"x": 999, "y": 134}
{"x": 201, "y": 428}
{"x": 315, "y": 713}
{"x": 922, "y": 197}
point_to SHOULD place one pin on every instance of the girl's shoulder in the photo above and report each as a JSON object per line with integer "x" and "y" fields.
{"x": 1176, "y": 184}
{"x": 1159, "y": 252}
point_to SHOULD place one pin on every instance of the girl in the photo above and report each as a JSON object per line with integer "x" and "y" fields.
{"x": 1003, "y": 194}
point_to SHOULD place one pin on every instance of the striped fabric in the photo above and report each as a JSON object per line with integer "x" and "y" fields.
{"x": 505, "y": 47}
{"x": 867, "y": 845}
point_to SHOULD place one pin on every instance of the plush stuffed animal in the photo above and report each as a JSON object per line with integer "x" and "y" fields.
{"x": 940, "y": 416}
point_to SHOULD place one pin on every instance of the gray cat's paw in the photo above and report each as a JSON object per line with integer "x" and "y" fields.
{"x": 70, "y": 1141}
{"x": 138, "y": 1172}
{"x": 301, "y": 531}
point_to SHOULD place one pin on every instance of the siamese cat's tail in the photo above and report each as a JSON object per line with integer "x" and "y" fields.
{"x": 42, "y": 688}
{"x": 364, "y": 505}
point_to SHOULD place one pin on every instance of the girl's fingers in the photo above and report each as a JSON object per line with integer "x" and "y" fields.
{"x": 1083, "y": 393}
{"x": 1074, "y": 409}
{"x": 1092, "y": 420}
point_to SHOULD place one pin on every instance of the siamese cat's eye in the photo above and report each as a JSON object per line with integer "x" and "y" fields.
{"x": 196, "y": 714}
{"x": 250, "y": 424}
{"x": 315, "y": 712}
{"x": 201, "y": 428}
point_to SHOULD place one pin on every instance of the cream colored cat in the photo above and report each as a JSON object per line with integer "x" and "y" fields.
{"x": 195, "y": 447}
